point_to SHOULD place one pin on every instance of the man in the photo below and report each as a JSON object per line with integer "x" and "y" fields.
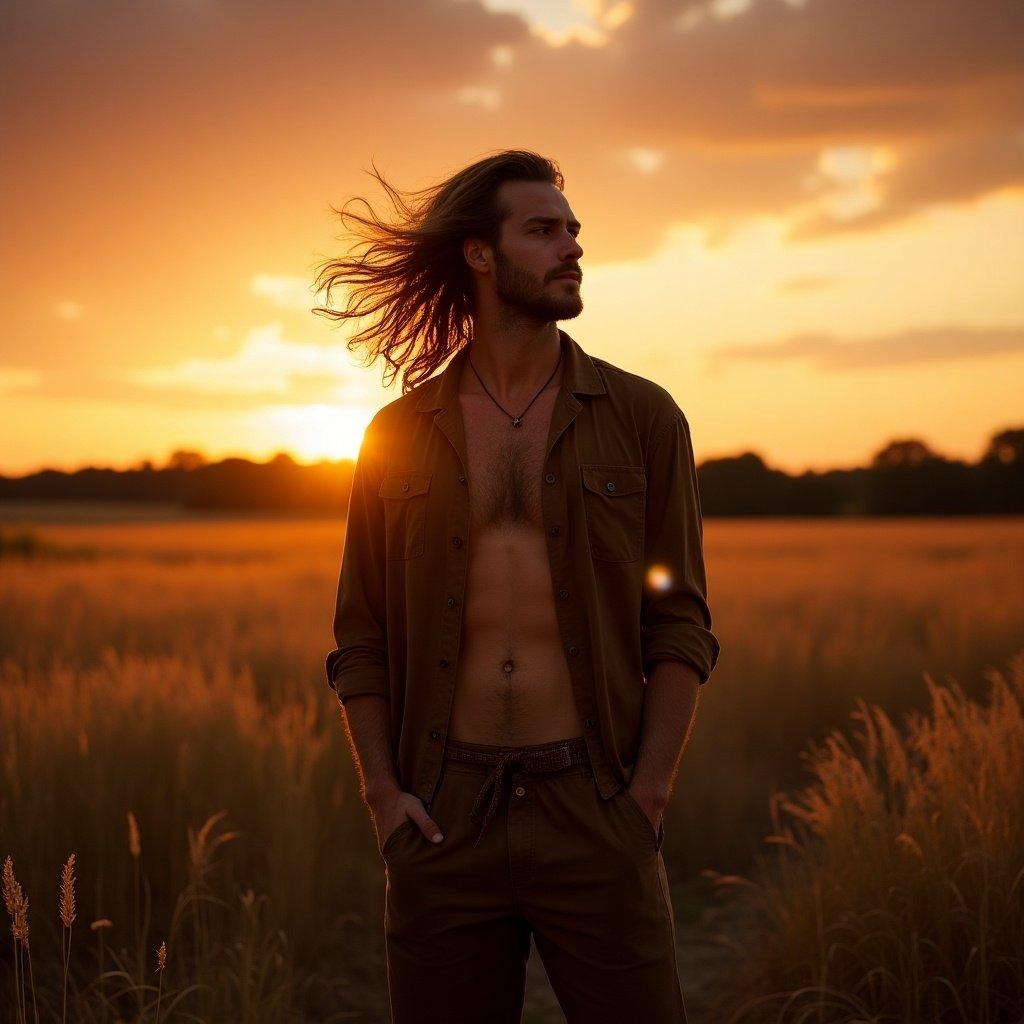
{"x": 522, "y": 623}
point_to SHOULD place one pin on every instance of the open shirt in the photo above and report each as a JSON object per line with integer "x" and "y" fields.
{"x": 622, "y": 521}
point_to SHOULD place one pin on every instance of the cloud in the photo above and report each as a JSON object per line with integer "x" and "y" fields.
{"x": 755, "y": 110}
{"x": 265, "y": 368}
{"x": 283, "y": 291}
{"x": 646, "y": 161}
{"x": 561, "y": 22}
{"x": 475, "y": 95}
{"x": 911, "y": 347}
{"x": 745, "y": 102}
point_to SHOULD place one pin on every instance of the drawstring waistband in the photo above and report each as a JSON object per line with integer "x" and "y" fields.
{"x": 538, "y": 758}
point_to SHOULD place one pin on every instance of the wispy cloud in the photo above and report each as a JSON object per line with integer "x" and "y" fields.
{"x": 283, "y": 291}
{"x": 560, "y": 23}
{"x": 832, "y": 115}
{"x": 645, "y": 160}
{"x": 266, "y": 367}
{"x": 479, "y": 96}
{"x": 914, "y": 346}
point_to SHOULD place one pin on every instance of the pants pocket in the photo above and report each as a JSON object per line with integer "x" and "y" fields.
{"x": 396, "y": 833}
{"x": 655, "y": 836}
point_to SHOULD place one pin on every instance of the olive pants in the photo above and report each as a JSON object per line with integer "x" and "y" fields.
{"x": 583, "y": 875}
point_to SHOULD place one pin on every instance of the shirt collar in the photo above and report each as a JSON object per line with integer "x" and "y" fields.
{"x": 579, "y": 376}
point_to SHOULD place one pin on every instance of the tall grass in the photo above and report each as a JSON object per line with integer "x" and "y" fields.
{"x": 124, "y": 762}
{"x": 811, "y": 615}
{"x": 229, "y": 966}
{"x": 896, "y": 889}
{"x": 179, "y": 674}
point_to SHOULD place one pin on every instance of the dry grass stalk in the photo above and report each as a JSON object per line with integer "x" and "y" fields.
{"x": 12, "y": 890}
{"x": 134, "y": 841}
{"x": 67, "y": 892}
{"x": 16, "y": 903}
{"x": 67, "y": 917}
{"x": 161, "y": 963}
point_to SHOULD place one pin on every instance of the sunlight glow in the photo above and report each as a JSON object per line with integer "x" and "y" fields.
{"x": 561, "y": 22}
{"x": 312, "y": 432}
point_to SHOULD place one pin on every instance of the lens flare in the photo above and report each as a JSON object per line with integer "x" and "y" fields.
{"x": 659, "y": 578}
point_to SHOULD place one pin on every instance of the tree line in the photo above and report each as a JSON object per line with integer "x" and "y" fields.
{"x": 906, "y": 477}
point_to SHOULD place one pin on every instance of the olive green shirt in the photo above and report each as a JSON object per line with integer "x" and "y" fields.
{"x": 622, "y": 521}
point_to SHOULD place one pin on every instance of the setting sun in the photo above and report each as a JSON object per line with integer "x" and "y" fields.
{"x": 312, "y": 432}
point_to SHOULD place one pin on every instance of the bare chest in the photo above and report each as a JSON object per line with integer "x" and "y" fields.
{"x": 505, "y": 462}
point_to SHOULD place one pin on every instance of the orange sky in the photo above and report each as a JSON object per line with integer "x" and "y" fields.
{"x": 805, "y": 219}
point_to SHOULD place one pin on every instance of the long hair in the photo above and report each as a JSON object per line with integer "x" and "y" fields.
{"x": 413, "y": 271}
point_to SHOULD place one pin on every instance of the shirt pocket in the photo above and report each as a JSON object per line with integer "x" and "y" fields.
{"x": 405, "y": 513}
{"x": 614, "y": 498}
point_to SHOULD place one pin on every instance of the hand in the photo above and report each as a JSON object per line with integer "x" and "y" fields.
{"x": 390, "y": 811}
{"x": 652, "y": 804}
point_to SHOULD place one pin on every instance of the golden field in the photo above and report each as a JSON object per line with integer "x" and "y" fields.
{"x": 172, "y": 667}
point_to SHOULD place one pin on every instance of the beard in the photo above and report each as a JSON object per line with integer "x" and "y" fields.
{"x": 523, "y": 293}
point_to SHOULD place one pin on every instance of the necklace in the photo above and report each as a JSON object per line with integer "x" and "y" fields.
{"x": 516, "y": 420}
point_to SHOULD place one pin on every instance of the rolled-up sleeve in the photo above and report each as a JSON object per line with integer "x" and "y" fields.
{"x": 359, "y": 664}
{"x": 675, "y": 616}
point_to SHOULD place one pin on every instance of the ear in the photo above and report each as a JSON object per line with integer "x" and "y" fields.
{"x": 477, "y": 254}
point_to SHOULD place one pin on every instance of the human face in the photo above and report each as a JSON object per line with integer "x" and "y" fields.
{"x": 538, "y": 244}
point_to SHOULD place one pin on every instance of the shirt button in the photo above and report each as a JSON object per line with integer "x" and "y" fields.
{"x": 550, "y": 478}
{"x": 405, "y": 485}
{"x": 555, "y": 531}
{"x": 520, "y": 791}
{"x": 590, "y": 723}
{"x": 456, "y": 542}
{"x": 450, "y": 602}
{"x": 462, "y": 479}
{"x": 434, "y": 734}
{"x": 443, "y": 663}
{"x": 610, "y": 486}
{"x": 574, "y": 650}
{"x": 563, "y": 593}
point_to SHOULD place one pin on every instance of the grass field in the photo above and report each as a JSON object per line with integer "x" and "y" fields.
{"x": 173, "y": 668}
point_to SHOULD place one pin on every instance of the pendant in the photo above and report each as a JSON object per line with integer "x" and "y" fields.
{"x": 516, "y": 421}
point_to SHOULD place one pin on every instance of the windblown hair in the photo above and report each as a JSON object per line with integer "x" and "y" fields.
{"x": 413, "y": 271}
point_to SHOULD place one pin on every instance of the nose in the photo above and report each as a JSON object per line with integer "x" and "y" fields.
{"x": 572, "y": 250}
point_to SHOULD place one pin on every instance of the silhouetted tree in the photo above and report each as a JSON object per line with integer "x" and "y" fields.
{"x": 906, "y": 453}
{"x": 1006, "y": 448}
{"x": 908, "y": 478}
{"x": 186, "y": 460}
{"x": 1000, "y": 474}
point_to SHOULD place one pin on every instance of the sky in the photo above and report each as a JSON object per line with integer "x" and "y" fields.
{"x": 804, "y": 218}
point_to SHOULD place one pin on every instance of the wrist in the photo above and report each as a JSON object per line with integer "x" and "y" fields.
{"x": 379, "y": 790}
{"x": 650, "y": 793}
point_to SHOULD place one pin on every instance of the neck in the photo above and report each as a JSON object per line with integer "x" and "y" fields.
{"x": 514, "y": 361}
